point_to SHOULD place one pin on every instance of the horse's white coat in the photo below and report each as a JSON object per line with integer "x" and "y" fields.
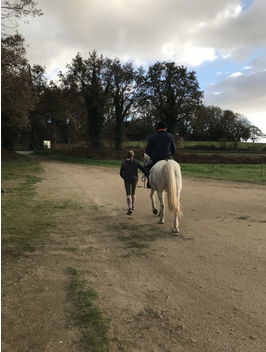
{"x": 165, "y": 175}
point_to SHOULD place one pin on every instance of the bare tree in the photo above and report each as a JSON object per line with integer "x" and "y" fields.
{"x": 13, "y": 11}
{"x": 256, "y": 133}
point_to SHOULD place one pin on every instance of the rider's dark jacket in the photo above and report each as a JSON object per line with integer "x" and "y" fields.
{"x": 161, "y": 146}
{"x": 129, "y": 170}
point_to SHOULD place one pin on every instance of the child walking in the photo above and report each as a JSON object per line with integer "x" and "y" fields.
{"x": 129, "y": 173}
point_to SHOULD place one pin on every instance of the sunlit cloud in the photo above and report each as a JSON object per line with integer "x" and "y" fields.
{"x": 236, "y": 74}
{"x": 237, "y": 11}
{"x": 188, "y": 53}
{"x": 226, "y": 56}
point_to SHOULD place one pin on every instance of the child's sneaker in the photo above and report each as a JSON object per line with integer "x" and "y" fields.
{"x": 129, "y": 211}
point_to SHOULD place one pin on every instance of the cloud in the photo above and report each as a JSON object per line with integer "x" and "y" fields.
{"x": 187, "y": 54}
{"x": 225, "y": 38}
{"x": 235, "y": 35}
{"x": 147, "y": 30}
{"x": 140, "y": 30}
{"x": 235, "y": 74}
{"x": 244, "y": 94}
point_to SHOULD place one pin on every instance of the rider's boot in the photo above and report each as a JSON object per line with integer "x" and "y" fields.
{"x": 147, "y": 173}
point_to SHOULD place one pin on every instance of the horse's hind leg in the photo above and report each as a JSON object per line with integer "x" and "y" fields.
{"x": 176, "y": 224}
{"x": 154, "y": 209}
{"x": 162, "y": 207}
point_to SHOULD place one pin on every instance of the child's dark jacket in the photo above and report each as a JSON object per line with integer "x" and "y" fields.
{"x": 129, "y": 170}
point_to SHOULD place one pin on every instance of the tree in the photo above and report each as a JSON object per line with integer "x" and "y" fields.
{"x": 256, "y": 133}
{"x": 211, "y": 123}
{"x": 242, "y": 128}
{"x": 91, "y": 77}
{"x": 17, "y": 100}
{"x": 197, "y": 126}
{"x": 39, "y": 85}
{"x": 139, "y": 128}
{"x": 59, "y": 114}
{"x": 12, "y": 11}
{"x": 125, "y": 89}
{"x": 173, "y": 91}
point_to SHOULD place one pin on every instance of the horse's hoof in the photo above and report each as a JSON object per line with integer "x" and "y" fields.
{"x": 155, "y": 211}
{"x": 161, "y": 222}
{"x": 176, "y": 230}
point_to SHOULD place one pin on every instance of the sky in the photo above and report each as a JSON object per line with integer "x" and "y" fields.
{"x": 224, "y": 42}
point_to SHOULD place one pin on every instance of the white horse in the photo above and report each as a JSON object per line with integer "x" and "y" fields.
{"x": 165, "y": 175}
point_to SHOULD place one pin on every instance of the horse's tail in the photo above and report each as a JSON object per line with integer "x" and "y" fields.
{"x": 171, "y": 189}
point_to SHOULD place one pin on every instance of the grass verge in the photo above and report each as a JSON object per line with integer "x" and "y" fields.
{"x": 88, "y": 316}
{"x": 24, "y": 222}
{"x": 18, "y": 168}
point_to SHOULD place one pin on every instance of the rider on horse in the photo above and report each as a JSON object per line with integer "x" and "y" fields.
{"x": 161, "y": 146}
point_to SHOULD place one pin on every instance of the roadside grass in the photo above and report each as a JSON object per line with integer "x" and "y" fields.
{"x": 87, "y": 315}
{"x": 26, "y": 221}
{"x": 20, "y": 167}
{"x": 26, "y": 224}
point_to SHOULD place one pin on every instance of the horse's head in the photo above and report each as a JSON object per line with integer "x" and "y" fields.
{"x": 146, "y": 159}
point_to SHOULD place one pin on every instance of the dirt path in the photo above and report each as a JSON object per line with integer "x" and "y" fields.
{"x": 201, "y": 290}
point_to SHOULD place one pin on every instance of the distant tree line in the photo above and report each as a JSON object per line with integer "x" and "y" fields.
{"x": 98, "y": 99}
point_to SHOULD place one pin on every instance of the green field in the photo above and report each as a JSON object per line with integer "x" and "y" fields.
{"x": 214, "y": 146}
{"x": 255, "y": 173}
{"x": 187, "y": 152}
